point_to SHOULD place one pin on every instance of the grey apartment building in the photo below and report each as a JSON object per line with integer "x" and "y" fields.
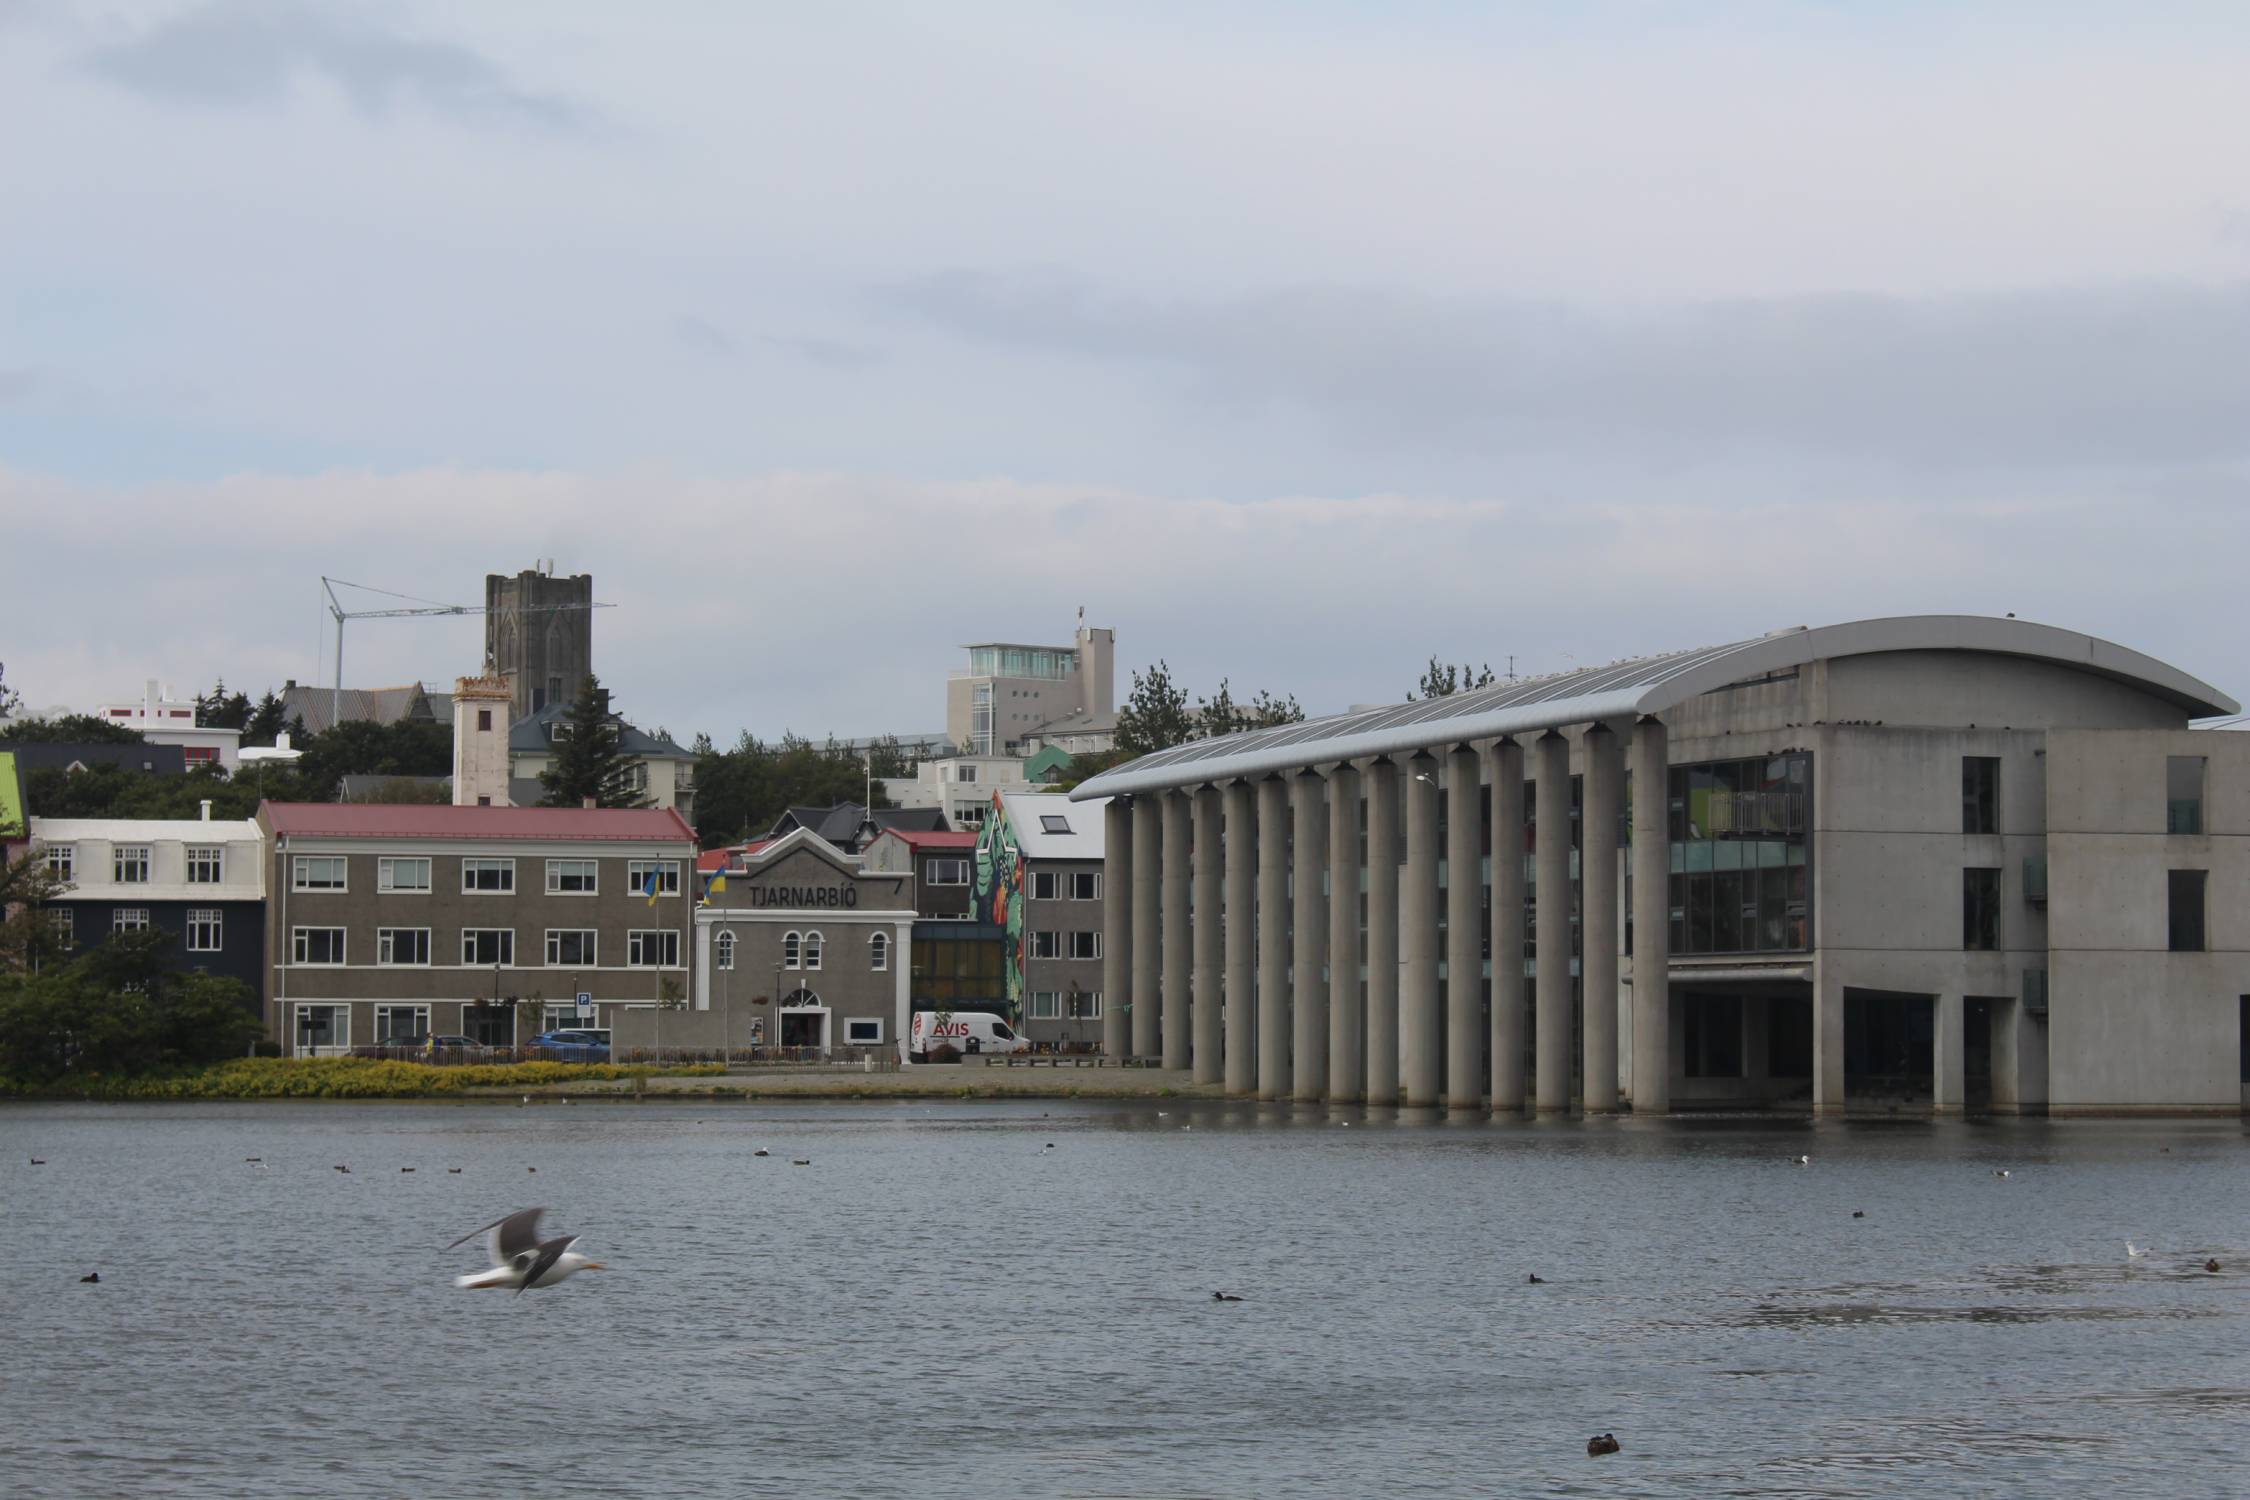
{"x": 1039, "y": 865}
{"x": 391, "y": 920}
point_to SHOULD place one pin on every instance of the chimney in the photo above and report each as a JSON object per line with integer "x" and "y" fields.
{"x": 206, "y": 809}
{"x": 281, "y": 740}
{"x": 586, "y": 802}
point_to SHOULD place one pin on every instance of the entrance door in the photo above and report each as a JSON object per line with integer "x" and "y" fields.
{"x": 806, "y": 1028}
{"x": 323, "y": 1030}
{"x": 489, "y": 1025}
{"x": 1976, "y": 1050}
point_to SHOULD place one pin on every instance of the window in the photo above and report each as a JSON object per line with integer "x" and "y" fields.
{"x": 1084, "y": 1007}
{"x": 1980, "y": 909}
{"x": 399, "y": 876}
{"x": 1980, "y": 794}
{"x": 879, "y": 951}
{"x": 665, "y": 871}
{"x": 317, "y": 872}
{"x": 657, "y": 948}
{"x": 1740, "y": 856}
{"x": 967, "y": 817}
{"x": 1046, "y": 885}
{"x": 62, "y": 861}
{"x": 2183, "y": 794}
{"x": 964, "y": 773}
{"x": 206, "y": 864}
{"x": 812, "y": 950}
{"x": 489, "y": 876}
{"x": 2184, "y": 895}
{"x": 199, "y": 755}
{"x": 723, "y": 946}
{"x": 397, "y": 1022}
{"x": 573, "y": 877}
{"x": 402, "y": 947}
{"x": 792, "y": 954}
{"x": 318, "y": 945}
{"x": 129, "y": 864}
{"x": 63, "y": 923}
{"x": 1714, "y": 1035}
{"x": 1053, "y": 823}
{"x": 205, "y": 931}
{"x": 129, "y": 919}
{"x": 1046, "y": 945}
{"x": 1046, "y": 1005}
{"x": 570, "y": 947}
{"x": 484, "y": 947}
{"x": 946, "y": 872}
{"x": 484, "y": 720}
{"x": 1086, "y": 945}
{"x": 861, "y": 1031}
{"x": 1086, "y": 885}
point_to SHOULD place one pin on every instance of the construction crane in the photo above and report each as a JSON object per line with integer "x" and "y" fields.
{"x": 422, "y": 607}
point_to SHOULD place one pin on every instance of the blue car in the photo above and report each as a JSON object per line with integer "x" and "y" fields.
{"x": 572, "y": 1046}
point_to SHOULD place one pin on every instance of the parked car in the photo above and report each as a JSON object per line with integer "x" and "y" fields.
{"x": 448, "y": 1048}
{"x": 568, "y": 1045}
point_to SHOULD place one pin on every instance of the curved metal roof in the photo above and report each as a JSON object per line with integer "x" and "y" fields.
{"x": 1630, "y": 689}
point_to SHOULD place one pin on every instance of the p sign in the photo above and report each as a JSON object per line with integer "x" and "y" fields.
{"x": 585, "y": 1005}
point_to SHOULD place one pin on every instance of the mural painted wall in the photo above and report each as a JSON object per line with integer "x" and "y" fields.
{"x": 1000, "y": 898}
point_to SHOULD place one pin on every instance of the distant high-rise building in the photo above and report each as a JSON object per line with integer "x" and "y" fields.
{"x": 1009, "y": 691}
{"x": 539, "y": 634}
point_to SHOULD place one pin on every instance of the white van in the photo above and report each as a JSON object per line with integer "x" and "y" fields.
{"x": 967, "y": 1030}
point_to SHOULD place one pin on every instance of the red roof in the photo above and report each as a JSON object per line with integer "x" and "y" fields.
{"x": 727, "y": 858}
{"x": 930, "y": 838}
{"x": 364, "y": 820}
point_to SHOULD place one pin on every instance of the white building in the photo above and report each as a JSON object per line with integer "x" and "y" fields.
{"x": 162, "y": 719}
{"x": 961, "y": 785}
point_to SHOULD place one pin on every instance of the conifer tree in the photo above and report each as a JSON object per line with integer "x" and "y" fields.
{"x": 589, "y": 757}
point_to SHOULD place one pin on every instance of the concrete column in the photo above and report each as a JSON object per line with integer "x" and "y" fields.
{"x": 1178, "y": 945}
{"x": 1418, "y": 1037}
{"x": 1510, "y": 995}
{"x": 1308, "y": 910}
{"x": 1604, "y": 806}
{"x": 1949, "y": 1086}
{"x": 1382, "y": 933}
{"x": 1210, "y": 956}
{"x": 1828, "y": 1038}
{"x": 1464, "y": 931}
{"x": 1346, "y": 1020}
{"x": 1242, "y": 938}
{"x": 1273, "y": 939}
{"x": 1148, "y": 928}
{"x": 1551, "y": 855}
{"x": 1652, "y": 919}
{"x": 1117, "y": 924}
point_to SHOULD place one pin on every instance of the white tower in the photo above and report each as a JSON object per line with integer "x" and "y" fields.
{"x": 480, "y": 741}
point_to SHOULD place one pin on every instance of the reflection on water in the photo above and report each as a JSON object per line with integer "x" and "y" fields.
{"x": 940, "y": 1305}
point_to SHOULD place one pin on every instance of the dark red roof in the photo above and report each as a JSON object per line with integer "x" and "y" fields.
{"x": 930, "y": 838}
{"x": 364, "y": 820}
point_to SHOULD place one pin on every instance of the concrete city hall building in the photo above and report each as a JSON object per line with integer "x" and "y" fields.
{"x": 1937, "y": 862}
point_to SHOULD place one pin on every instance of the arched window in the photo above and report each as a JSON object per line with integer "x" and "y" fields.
{"x": 879, "y": 951}
{"x": 791, "y": 955}
{"x": 725, "y": 945}
{"x": 798, "y": 998}
{"x": 812, "y": 950}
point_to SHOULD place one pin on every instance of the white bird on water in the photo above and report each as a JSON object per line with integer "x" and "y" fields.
{"x": 2132, "y": 1253}
{"x": 521, "y": 1259}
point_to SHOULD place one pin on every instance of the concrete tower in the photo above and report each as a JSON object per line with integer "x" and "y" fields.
{"x": 481, "y": 709}
{"x": 539, "y": 634}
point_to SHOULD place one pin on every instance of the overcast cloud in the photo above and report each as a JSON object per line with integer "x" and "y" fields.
{"x": 1296, "y": 343}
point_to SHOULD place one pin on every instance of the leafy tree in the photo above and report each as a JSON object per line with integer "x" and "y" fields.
{"x": 590, "y": 762}
{"x": 400, "y": 789}
{"x": 1155, "y": 716}
{"x": 220, "y": 709}
{"x": 10, "y": 699}
{"x": 742, "y": 791}
{"x": 26, "y": 937}
{"x": 887, "y": 757}
{"x": 85, "y": 729}
{"x": 1443, "y": 680}
{"x": 121, "y": 1007}
{"x": 1220, "y": 714}
{"x": 361, "y": 747}
{"x": 265, "y": 724}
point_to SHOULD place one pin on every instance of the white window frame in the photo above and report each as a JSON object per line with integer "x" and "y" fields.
{"x": 1088, "y": 1006}
{"x": 62, "y": 921}
{"x": 479, "y": 865}
{"x": 206, "y": 856}
{"x": 792, "y": 949}
{"x": 386, "y": 874}
{"x": 1093, "y": 885}
{"x": 555, "y": 936}
{"x": 948, "y": 862}
{"x": 1046, "y": 885}
{"x": 300, "y": 878}
{"x": 1092, "y": 943}
{"x": 343, "y": 1014}
{"x": 386, "y": 948}
{"x": 507, "y": 958}
{"x": 1045, "y": 945}
{"x": 129, "y": 919}
{"x": 299, "y": 947}
{"x": 124, "y": 857}
{"x": 722, "y": 950}
{"x": 62, "y": 862}
{"x": 637, "y": 945}
{"x": 419, "y": 1013}
{"x": 208, "y": 923}
{"x": 815, "y": 948}
{"x": 637, "y": 872}
{"x": 1044, "y": 1005}
{"x": 879, "y": 952}
{"x": 855, "y": 1036}
{"x": 588, "y": 869}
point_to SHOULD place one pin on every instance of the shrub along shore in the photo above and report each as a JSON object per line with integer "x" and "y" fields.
{"x": 336, "y": 1078}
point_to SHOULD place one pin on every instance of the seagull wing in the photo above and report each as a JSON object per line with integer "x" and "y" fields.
{"x": 509, "y": 1237}
{"x": 543, "y": 1260}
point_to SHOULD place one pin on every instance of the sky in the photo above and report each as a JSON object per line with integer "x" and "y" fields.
{"x": 1296, "y": 342}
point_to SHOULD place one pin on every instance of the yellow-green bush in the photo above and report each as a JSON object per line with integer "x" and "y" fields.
{"x": 338, "y": 1078}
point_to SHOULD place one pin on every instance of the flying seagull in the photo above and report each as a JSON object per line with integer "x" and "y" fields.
{"x": 520, "y": 1258}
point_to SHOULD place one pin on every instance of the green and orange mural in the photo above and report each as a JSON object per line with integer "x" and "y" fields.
{"x": 1000, "y": 898}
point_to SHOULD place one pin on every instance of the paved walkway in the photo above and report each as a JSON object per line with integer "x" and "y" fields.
{"x": 991, "y": 1080}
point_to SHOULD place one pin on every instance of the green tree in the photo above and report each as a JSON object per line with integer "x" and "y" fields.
{"x": 83, "y": 729}
{"x": 265, "y": 724}
{"x": 10, "y": 699}
{"x": 887, "y": 757}
{"x": 27, "y": 938}
{"x": 589, "y": 761}
{"x": 1220, "y": 714}
{"x": 220, "y": 709}
{"x": 1443, "y": 680}
{"x": 121, "y": 1007}
{"x": 1155, "y": 716}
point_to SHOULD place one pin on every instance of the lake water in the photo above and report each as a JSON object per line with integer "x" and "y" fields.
{"x": 939, "y": 1305}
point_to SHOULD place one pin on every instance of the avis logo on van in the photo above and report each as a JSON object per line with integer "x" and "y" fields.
{"x": 963, "y": 1030}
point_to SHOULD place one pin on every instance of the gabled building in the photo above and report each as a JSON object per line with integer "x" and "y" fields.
{"x": 198, "y": 882}
{"x": 848, "y": 825}
{"x": 323, "y": 708}
{"x": 662, "y": 771}
{"x": 161, "y": 719}
{"x": 1039, "y": 877}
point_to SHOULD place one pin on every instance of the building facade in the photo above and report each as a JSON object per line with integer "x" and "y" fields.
{"x": 960, "y": 786}
{"x": 1937, "y": 862}
{"x": 539, "y": 634}
{"x": 489, "y": 922}
{"x": 1040, "y": 879}
{"x": 197, "y": 883}
{"x": 660, "y": 771}
{"x": 162, "y": 719}
{"x": 1009, "y": 690}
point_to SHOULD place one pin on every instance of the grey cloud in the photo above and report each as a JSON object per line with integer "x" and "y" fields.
{"x": 2128, "y": 374}
{"x": 238, "y": 52}
{"x": 703, "y": 336}
{"x": 830, "y": 354}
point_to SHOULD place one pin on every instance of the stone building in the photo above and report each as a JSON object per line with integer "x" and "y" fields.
{"x": 539, "y": 634}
